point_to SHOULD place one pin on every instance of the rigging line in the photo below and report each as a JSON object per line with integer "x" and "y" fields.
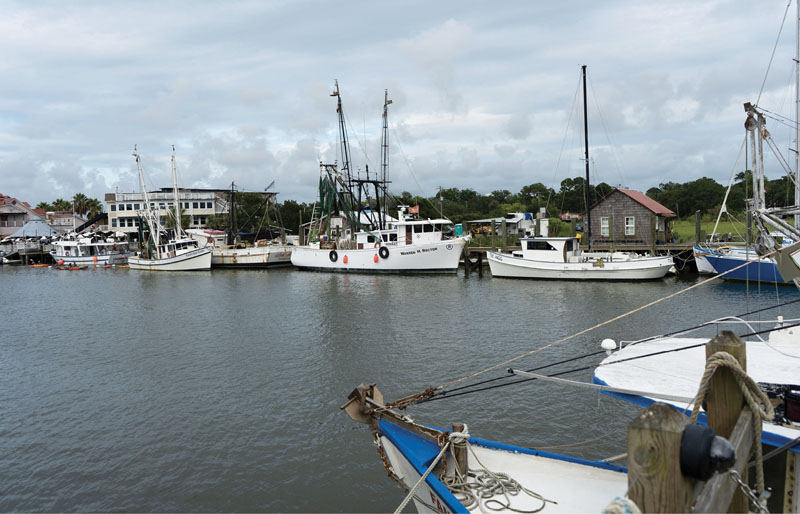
{"x": 781, "y": 120}
{"x": 772, "y": 57}
{"x": 415, "y": 398}
{"x": 551, "y": 190}
{"x": 411, "y": 171}
{"x": 616, "y": 318}
{"x": 605, "y": 129}
{"x": 446, "y": 394}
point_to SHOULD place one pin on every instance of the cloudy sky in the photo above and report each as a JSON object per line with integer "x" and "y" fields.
{"x": 484, "y": 93}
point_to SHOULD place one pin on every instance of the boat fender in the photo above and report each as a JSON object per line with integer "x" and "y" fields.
{"x": 384, "y": 252}
{"x": 375, "y": 258}
{"x": 703, "y": 452}
{"x": 333, "y": 256}
{"x": 344, "y": 260}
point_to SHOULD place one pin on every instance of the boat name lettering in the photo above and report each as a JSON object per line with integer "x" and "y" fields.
{"x": 441, "y": 508}
{"x": 418, "y": 250}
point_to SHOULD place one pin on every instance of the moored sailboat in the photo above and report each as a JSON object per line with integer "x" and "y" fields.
{"x": 562, "y": 258}
{"x": 162, "y": 252}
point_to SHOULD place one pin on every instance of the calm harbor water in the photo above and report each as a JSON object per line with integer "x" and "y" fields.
{"x": 220, "y": 391}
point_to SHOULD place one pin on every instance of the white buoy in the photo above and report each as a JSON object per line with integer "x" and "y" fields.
{"x": 609, "y": 345}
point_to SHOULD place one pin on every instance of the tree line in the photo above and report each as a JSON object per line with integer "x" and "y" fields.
{"x": 462, "y": 205}
{"x": 80, "y": 203}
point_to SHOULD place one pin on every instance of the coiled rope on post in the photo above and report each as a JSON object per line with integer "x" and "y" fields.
{"x": 756, "y": 400}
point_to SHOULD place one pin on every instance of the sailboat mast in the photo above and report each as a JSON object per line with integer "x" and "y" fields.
{"x": 150, "y": 218}
{"x": 176, "y": 199}
{"x": 588, "y": 223}
{"x": 342, "y": 133}
{"x": 797, "y": 123}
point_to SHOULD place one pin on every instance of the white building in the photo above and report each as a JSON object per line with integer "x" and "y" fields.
{"x": 198, "y": 204}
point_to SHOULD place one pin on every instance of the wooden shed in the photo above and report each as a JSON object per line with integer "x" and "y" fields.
{"x": 628, "y": 217}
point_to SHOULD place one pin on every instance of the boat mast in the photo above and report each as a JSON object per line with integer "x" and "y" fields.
{"x": 150, "y": 218}
{"x": 588, "y": 223}
{"x": 178, "y": 229}
{"x": 342, "y": 133}
{"x": 384, "y": 160}
{"x": 797, "y": 124}
{"x": 232, "y": 215}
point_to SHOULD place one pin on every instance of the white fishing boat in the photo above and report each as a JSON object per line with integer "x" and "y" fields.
{"x": 161, "y": 252}
{"x": 562, "y": 258}
{"x": 501, "y": 477}
{"x": 88, "y": 250}
{"x": 673, "y": 366}
{"x": 353, "y": 232}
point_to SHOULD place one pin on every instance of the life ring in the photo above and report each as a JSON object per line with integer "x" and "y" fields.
{"x": 377, "y": 244}
{"x": 333, "y": 256}
{"x": 384, "y": 252}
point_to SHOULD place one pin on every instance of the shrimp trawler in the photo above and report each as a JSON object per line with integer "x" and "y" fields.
{"x": 353, "y": 233}
{"x": 165, "y": 251}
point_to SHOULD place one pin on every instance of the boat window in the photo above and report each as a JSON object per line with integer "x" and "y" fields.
{"x": 428, "y": 228}
{"x": 393, "y": 237}
{"x": 540, "y": 245}
{"x": 385, "y": 237}
{"x": 370, "y": 239}
{"x": 568, "y": 246}
{"x": 417, "y": 229}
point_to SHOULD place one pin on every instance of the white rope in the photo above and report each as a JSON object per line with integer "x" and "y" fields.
{"x": 755, "y": 398}
{"x": 422, "y": 479}
{"x": 621, "y": 505}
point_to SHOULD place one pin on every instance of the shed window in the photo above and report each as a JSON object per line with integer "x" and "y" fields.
{"x": 630, "y": 226}
{"x": 604, "y": 226}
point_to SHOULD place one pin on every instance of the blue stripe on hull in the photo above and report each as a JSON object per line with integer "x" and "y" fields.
{"x": 756, "y": 271}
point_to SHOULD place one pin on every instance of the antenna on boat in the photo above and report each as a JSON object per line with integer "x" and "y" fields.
{"x": 588, "y": 224}
{"x": 797, "y": 122}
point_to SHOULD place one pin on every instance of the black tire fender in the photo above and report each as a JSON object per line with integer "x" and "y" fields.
{"x": 333, "y": 256}
{"x": 383, "y": 252}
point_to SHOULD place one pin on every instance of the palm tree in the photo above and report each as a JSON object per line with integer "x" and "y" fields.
{"x": 94, "y": 207}
{"x": 44, "y": 206}
{"x": 62, "y": 205}
{"x": 79, "y": 201}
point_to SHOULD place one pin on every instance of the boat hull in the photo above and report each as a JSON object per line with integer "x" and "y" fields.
{"x": 116, "y": 258}
{"x": 254, "y": 257}
{"x": 645, "y": 268}
{"x": 701, "y": 260}
{"x": 553, "y": 476}
{"x": 440, "y": 257}
{"x": 195, "y": 260}
{"x": 756, "y": 271}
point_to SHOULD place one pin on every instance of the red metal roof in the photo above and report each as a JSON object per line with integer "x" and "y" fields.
{"x": 647, "y": 202}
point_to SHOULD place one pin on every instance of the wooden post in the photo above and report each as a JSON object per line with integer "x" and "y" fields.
{"x": 610, "y": 233}
{"x": 655, "y": 481}
{"x": 467, "y": 262}
{"x": 725, "y": 400}
{"x": 697, "y": 227}
{"x": 573, "y": 226}
{"x": 536, "y": 227}
{"x": 504, "y": 232}
{"x": 653, "y": 234}
{"x": 480, "y": 264}
{"x": 460, "y": 451}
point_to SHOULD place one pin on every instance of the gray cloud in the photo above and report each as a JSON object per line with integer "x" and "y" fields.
{"x": 483, "y": 96}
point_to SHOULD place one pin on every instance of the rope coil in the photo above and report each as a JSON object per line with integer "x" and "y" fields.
{"x": 755, "y": 398}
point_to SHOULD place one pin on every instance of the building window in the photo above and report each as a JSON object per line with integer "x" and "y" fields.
{"x": 113, "y": 207}
{"x": 113, "y": 221}
{"x": 194, "y": 205}
{"x": 604, "y": 226}
{"x": 122, "y": 207}
{"x": 630, "y": 226}
{"x": 130, "y": 206}
{"x": 136, "y": 207}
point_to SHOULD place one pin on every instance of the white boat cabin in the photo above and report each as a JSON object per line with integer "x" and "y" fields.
{"x": 174, "y": 248}
{"x": 406, "y": 231}
{"x": 85, "y": 247}
{"x": 549, "y": 249}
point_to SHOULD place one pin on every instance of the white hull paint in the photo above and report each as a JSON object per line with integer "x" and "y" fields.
{"x": 89, "y": 259}
{"x": 253, "y": 257}
{"x": 556, "y": 480}
{"x": 644, "y": 268}
{"x": 199, "y": 259}
{"x": 439, "y": 257}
